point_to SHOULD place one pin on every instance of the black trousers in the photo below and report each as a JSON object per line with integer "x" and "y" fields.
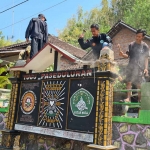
{"x": 36, "y": 46}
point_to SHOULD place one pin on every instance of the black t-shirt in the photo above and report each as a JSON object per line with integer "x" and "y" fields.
{"x": 138, "y": 53}
{"x": 95, "y": 43}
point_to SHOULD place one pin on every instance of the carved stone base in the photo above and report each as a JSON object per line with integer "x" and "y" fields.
{"x": 8, "y": 138}
{"x": 93, "y": 146}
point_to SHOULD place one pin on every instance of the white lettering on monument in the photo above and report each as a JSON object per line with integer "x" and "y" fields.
{"x": 54, "y": 75}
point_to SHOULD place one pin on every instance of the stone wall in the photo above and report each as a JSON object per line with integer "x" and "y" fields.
{"x": 125, "y": 137}
{"x": 3, "y": 120}
{"x": 29, "y": 141}
{"x": 131, "y": 136}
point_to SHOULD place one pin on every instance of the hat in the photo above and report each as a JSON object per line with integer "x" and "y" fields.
{"x": 41, "y": 15}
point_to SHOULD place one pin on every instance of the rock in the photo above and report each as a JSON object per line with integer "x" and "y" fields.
{"x": 85, "y": 147}
{"x": 128, "y": 138}
{"x": 139, "y": 148}
{"x": 16, "y": 148}
{"x": 140, "y": 140}
{"x": 49, "y": 141}
{"x": 115, "y": 132}
{"x": 41, "y": 141}
{"x": 1, "y": 119}
{"x": 67, "y": 145}
{"x": 20, "y": 63}
{"x": 128, "y": 147}
{"x": 147, "y": 133}
{"x": 117, "y": 144}
{"x": 124, "y": 128}
{"x": 77, "y": 146}
{"x": 42, "y": 147}
{"x": 1, "y": 126}
{"x": 134, "y": 128}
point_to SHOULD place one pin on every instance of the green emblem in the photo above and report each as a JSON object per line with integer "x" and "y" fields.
{"x": 81, "y": 103}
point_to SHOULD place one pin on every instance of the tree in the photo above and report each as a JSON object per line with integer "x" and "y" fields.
{"x": 73, "y": 28}
{"x": 133, "y": 12}
{"x": 118, "y": 8}
{"x": 4, "y": 77}
{"x": 50, "y": 68}
{"x": 139, "y": 16}
{"x": 83, "y": 20}
{"x": 4, "y": 42}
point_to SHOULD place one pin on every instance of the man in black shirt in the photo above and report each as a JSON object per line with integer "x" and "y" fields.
{"x": 97, "y": 42}
{"x": 138, "y": 62}
{"x": 38, "y": 32}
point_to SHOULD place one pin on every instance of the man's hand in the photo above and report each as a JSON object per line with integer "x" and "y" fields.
{"x": 27, "y": 40}
{"x": 120, "y": 52}
{"x": 119, "y": 47}
{"x": 81, "y": 36}
{"x": 146, "y": 72}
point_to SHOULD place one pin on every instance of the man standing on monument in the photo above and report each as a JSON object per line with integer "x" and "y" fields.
{"x": 97, "y": 42}
{"x": 38, "y": 32}
{"x": 138, "y": 62}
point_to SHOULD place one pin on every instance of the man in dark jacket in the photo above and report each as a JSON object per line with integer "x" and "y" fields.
{"x": 97, "y": 42}
{"x": 38, "y": 32}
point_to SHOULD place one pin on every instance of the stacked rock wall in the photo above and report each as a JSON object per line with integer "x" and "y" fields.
{"x": 131, "y": 136}
{"x": 29, "y": 141}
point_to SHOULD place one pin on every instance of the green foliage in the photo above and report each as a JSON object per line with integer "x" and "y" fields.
{"x": 4, "y": 42}
{"x": 4, "y": 78}
{"x": 49, "y": 69}
{"x": 5, "y": 74}
{"x": 133, "y": 12}
{"x": 18, "y": 41}
{"x": 138, "y": 17}
{"x": 118, "y": 85}
{"x": 81, "y": 21}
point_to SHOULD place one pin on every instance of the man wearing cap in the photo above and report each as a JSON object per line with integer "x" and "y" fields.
{"x": 38, "y": 32}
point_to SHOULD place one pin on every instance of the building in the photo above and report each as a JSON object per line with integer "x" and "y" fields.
{"x": 123, "y": 34}
{"x": 11, "y": 53}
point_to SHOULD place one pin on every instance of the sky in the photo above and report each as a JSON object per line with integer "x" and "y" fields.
{"x": 56, "y": 15}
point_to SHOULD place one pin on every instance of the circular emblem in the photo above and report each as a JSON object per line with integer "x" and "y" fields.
{"x": 28, "y": 102}
{"x": 101, "y": 41}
